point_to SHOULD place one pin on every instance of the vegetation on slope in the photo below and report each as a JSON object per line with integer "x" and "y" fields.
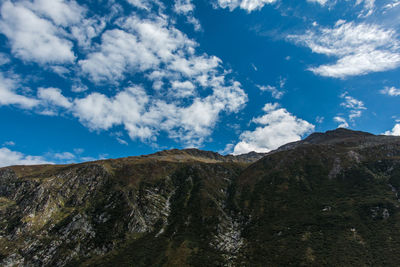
{"x": 330, "y": 199}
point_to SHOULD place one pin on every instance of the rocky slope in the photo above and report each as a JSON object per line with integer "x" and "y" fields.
{"x": 331, "y": 199}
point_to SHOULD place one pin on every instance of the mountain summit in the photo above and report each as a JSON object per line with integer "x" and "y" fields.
{"x": 330, "y": 199}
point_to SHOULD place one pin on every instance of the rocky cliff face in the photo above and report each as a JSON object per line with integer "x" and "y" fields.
{"x": 331, "y": 199}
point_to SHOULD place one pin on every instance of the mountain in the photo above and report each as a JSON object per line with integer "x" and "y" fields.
{"x": 330, "y": 199}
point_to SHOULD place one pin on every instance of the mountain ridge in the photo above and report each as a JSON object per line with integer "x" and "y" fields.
{"x": 328, "y": 137}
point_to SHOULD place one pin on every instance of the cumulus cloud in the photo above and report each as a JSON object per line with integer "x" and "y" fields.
{"x": 390, "y": 91}
{"x": 86, "y": 30}
{"x": 145, "y": 45}
{"x": 144, "y": 116}
{"x": 167, "y": 58}
{"x": 47, "y": 102}
{"x": 119, "y": 52}
{"x": 359, "y": 48}
{"x": 277, "y": 127}
{"x": 32, "y": 37}
{"x": 183, "y": 92}
{"x": 9, "y": 96}
{"x": 61, "y": 12}
{"x": 248, "y": 5}
{"x": 53, "y": 96}
{"x": 9, "y": 157}
{"x": 42, "y": 31}
{"x": 182, "y": 89}
{"x": 394, "y": 131}
{"x": 98, "y": 111}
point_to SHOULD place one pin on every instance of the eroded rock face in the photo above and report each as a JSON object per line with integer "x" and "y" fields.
{"x": 8, "y": 180}
{"x": 74, "y": 213}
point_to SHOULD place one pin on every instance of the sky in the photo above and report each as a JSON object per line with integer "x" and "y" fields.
{"x": 95, "y": 79}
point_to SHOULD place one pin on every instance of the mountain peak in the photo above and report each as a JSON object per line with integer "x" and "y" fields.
{"x": 341, "y": 137}
{"x": 338, "y": 133}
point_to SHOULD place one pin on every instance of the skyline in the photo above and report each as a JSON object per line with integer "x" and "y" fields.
{"x": 85, "y": 80}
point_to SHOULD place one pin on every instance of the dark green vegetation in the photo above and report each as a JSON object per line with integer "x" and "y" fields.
{"x": 330, "y": 200}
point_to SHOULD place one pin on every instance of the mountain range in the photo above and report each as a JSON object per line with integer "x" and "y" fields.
{"x": 328, "y": 200}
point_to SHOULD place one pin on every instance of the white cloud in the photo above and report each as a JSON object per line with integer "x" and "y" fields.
{"x": 183, "y": 6}
{"x": 342, "y": 122}
{"x": 360, "y": 64}
{"x": 182, "y": 89}
{"x": 368, "y": 9}
{"x": 122, "y": 141}
{"x": 167, "y": 58}
{"x": 319, "y": 119}
{"x": 86, "y": 30}
{"x": 4, "y": 59}
{"x": 355, "y": 106}
{"x": 277, "y": 127}
{"x": 144, "y": 116}
{"x": 191, "y": 89}
{"x": 8, "y": 95}
{"x": 79, "y": 88}
{"x": 321, "y": 2}
{"x": 394, "y": 131}
{"x": 186, "y": 8}
{"x": 9, "y": 143}
{"x": 41, "y": 30}
{"x": 78, "y": 150}
{"x": 97, "y": 111}
{"x": 391, "y": 91}
{"x": 248, "y": 5}
{"x": 33, "y": 38}
{"x": 227, "y": 150}
{"x": 61, "y": 12}
{"x": 53, "y": 96}
{"x": 360, "y": 48}
{"x": 120, "y": 52}
{"x": 273, "y": 90}
{"x": 144, "y": 45}
{"x": 9, "y": 157}
{"x": 143, "y": 4}
{"x": 392, "y": 5}
{"x": 282, "y": 82}
{"x": 64, "y": 156}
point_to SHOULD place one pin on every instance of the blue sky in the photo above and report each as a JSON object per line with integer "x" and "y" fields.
{"x": 85, "y": 80}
